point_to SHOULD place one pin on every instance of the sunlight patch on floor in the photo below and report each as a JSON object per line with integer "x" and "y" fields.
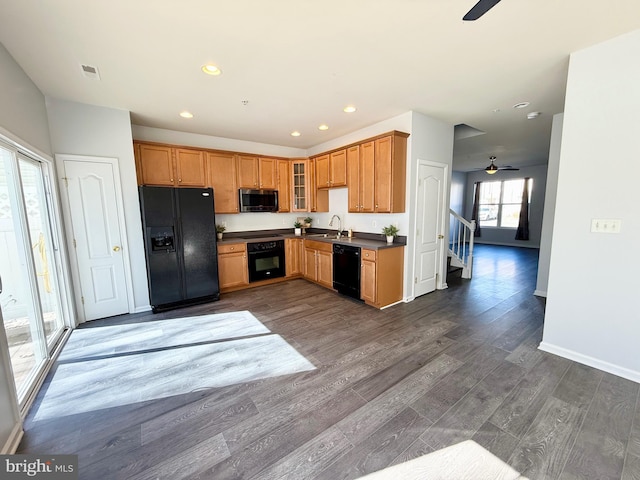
{"x": 107, "y": 367}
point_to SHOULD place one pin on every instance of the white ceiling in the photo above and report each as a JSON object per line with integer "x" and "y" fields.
{"x": 298, "y": 63}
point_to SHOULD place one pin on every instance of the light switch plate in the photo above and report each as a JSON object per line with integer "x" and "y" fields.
{"x": 606, "y": 225}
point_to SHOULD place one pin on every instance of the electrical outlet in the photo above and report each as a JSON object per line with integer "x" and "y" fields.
{"x": 374, "y": 224}
{"x": 605, "y": 225}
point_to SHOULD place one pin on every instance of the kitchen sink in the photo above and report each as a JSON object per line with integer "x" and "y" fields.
{"x": 329, "y": 236}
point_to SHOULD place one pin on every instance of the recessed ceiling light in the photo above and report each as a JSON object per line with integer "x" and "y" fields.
{"x": 349, "y": 109}
{"x": 295, "y": 134}
{"x": 521, "y": 105}
{"x": 211, "y": 69}
{"x": 532, "y": 115}
{"x": 323, "y": 127}
{"x": 186, "y": 114}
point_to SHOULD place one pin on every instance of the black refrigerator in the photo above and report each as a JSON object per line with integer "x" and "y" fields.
{"x": 180, "y": 246}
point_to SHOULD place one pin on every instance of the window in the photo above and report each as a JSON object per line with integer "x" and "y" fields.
{"x": 500, "y": 203}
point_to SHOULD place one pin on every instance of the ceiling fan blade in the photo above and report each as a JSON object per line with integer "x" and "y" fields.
{"x": 508, "y": 169}
{"x": 479, "y": 9}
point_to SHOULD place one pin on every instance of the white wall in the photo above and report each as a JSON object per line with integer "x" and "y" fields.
{"x": 80, "y": 129}
{"x": 546, "y": 235}
{"x": 432, "y": 140}
{"x": 592, "y": 313}
{"x": 22, "y": 109}
{"x": 506, "y": 236}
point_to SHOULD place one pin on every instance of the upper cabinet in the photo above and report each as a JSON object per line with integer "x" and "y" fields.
{"x": 360, "y": 178}
{"x": 222, "y": 178}
{"x": 284, "y": 185}
{"x": 257, "y": 172}
{"x": 377, "y": 174}
{"x": 390, "y": 166}
{"x": 190, "y": 168}
{"x": 331, "y": 169}
{"x": 300, "y": 185}
{"x": 168, "y": 166}
{"x": 374, "y": 170}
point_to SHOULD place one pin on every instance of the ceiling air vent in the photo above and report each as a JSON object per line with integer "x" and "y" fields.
{"x": 90, "y": 72}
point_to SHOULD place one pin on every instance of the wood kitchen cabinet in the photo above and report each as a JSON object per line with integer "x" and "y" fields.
{"x": 222, "y": 178}
{"x": 233, "y": 269}
{"x": 381, "y": 279}
{"x": 257, "y": 172}
{"x": 361, "y": 178}
{"x": 294, "y": 256}
{"x": 318, "y": 199}
{"x": 284, "y": 185}
{"x": 376, "y": 176}
{"x": 300, "y": 186}
{"x": 305, "y": 194}
{"x": 390, "y": 173}
{"x": 318, "y": 262}
{"x": 161, "y": 165}
{"x": 331, "y": 169}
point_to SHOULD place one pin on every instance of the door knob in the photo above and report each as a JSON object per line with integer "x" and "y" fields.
{"x": 116, "y": 248}
{"x": 440, "y": 236}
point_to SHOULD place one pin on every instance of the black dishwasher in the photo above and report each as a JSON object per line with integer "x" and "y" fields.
{"x": 346, "y": 270}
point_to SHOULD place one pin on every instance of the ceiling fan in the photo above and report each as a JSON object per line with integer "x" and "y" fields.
{"x": 493, "y": 168}
{"x": 479, "y": 9}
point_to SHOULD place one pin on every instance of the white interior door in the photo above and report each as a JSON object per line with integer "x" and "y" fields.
{"x": 429, "y": 227}
{"x": 97, "y": 237}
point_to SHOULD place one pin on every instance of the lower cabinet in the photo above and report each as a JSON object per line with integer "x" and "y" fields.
{"x": 293, "y": 257}
{"x": 381, "y": 279}
{"x": 318, "y": 262}
{"x": 381, "y": 276}
{"x": 233, "y": 269}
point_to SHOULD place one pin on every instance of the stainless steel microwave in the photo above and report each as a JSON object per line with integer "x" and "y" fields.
{"x": 258, "y": 200}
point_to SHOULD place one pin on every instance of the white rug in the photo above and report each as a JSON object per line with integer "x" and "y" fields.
{"x": 464, "y": 461}
{"x": 106, "y": 367}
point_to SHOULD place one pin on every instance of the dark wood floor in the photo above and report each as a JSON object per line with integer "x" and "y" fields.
{"x": 389, "y": 386}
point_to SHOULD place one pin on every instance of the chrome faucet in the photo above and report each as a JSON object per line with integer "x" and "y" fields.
{"x": 339, "y": 234}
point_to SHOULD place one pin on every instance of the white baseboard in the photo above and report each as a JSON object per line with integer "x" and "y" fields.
{"x": 540, "y": 293}
{"x": 623, "y": 372}
{"x": 391, "y": 304}
{"x": 11, "y": 445}
{"x": 145, "y": 308}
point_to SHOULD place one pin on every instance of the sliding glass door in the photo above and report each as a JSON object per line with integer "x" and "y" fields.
{"x": 30, "y": 299}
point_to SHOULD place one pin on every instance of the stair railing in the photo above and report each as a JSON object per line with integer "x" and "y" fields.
{"x": 461, "y": 243}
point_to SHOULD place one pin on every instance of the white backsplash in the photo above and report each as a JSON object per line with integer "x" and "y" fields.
{"x": 338, "y": 201}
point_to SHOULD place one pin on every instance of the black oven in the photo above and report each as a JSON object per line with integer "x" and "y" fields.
{"x": 266, "y": 260}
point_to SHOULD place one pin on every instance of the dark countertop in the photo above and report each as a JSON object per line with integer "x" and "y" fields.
{"x": 358, "y": 240}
